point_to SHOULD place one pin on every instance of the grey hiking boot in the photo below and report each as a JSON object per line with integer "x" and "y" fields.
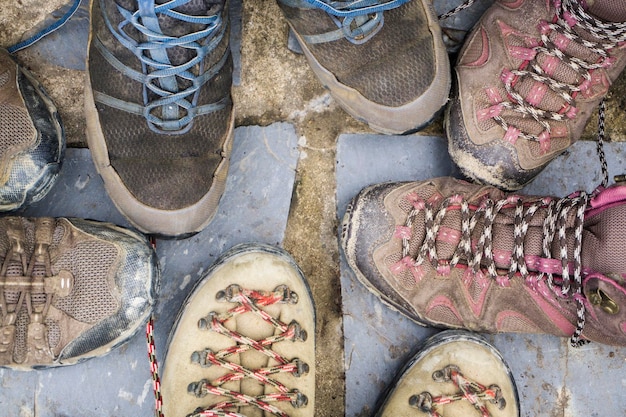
{"x": 159, "y": 110}
{"x": 526, "y": 91}
{"x": 448, "y": 253}
{"x": 383, "y": 61}
{"x": 32, "y": 140}
{"x": 244, "y": 340}
{"x": 70, "y": 289}
{"x": 454, "y": 374}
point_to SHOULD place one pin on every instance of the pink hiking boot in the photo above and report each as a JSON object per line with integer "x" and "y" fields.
{"x": 529, "y": 77}
{"x": 452, "y": 254}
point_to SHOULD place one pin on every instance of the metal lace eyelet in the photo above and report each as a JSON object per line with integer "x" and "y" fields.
{"x": 600, "y": 298}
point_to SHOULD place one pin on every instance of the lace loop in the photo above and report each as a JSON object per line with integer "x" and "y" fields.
{"x": 468, "y": 390}
{"x": 28, "y": 284}
{"x": 357, "y": 21}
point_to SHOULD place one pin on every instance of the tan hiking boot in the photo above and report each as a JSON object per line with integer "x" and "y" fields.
{"x": 452, "y": 254}
{"x": 70, "y": 289}
{"x": 244, "y": 341}
{"x": 454, "y": 374}
{"x": 529, "y": 76}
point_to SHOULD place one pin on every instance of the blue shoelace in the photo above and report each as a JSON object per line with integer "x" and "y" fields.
{"x": 357, "y": 21}
{"x": 177, "y": 105}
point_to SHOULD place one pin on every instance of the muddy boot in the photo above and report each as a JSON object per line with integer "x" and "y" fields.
{"x": 70, "y": 289}
{"x": 32, "y": 140}
{"x": 455, "y": 374}
{"x": 244, "y": 341}
{"x": 529, "y": 77}
{"x": 383, "y": 61}
{"x": 452, "y": 254}
{"x": 159, "y": 110}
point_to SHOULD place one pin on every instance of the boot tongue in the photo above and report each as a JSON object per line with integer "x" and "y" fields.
{"x": 604, "y": 232}
{"x": 608, "y": 10}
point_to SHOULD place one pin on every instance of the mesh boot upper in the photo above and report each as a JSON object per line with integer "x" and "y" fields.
{"x": 165, "y": 135}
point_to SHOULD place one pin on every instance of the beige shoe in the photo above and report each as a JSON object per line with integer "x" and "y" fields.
{"x": 70, "y": 289}
{"x": 455, "y": 374}
{"x": 244, "y": 341}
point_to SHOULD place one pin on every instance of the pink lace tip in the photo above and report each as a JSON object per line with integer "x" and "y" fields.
{"x": 572, "y": 112}
{"x": 525, "y": 54}
{"x": 513, "y": 199}
{"x": 544, "y": 142}
{"x": 608, "y": 62}
{"x": 507, "y": 77}
{"x": 402, "y": 265}
{"x": 417, "y": 272}
{"x": 544, "y": 27}
{"x": 569, "y": 19}
{"x": 584, "y": 86}
{"x": 493, "y": 95}
{"x": 435, "y": 199}
{"x": 416, "y": 201}
{"x": 456, "y": 199}
{"x": 536, "y": 93}
{"x": 489, "y": 113}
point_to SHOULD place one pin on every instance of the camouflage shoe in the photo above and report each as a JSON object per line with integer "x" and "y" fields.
{"x": 383, "y": 61}
{"x": 32, "y": 140}
{"x": 159, "y": 110}
{"x": 70, "y": 289}
{"x": 526, "y": 91}
{"x": 452, "y": 254}
{"x": 455, "y": 374}
{"x": 244, "y": 341}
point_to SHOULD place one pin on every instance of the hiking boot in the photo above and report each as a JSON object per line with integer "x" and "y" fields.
{"x": 526, "y": 91}
{"x": 32, "y": 140}
{"x": 244, "y": 340}
{"x": 448, "y": 253}
{"x": 384, "y": 62}
{"x": 159, "y": 110}
{"x": 455, "y": 374}
{"x": 70, "y": 289}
